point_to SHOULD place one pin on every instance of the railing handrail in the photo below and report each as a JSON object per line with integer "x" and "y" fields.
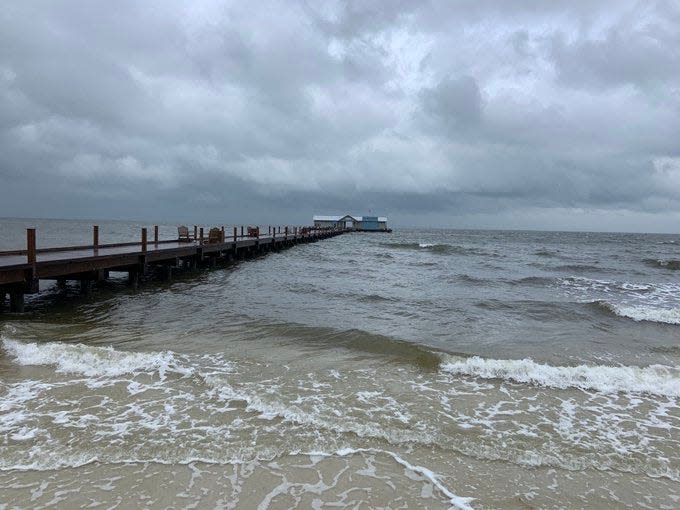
{"x": 284, "y": 232}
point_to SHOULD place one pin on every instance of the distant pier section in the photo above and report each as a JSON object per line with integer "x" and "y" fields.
{"x": 353, "y": 223}
{"x": 22, "y": 270}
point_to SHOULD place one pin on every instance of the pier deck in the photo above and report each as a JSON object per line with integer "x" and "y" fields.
{"x": 21, "y": 270}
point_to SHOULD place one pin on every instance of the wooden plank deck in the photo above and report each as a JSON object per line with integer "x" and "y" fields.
{"x": 21, "y": 270}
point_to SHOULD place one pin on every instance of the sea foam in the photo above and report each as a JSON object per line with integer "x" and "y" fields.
{"x": 460, "y": 502}
{"x": 654, "y": 379}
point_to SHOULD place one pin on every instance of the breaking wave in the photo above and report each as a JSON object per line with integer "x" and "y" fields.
{"x": 641, "y": 313}
{"x": 93, "y": 361}
{"x": 663, "y": 264}
{"x": 544, "y": 252}
{"x": 532, "y": 280}
{"x": 581, "y": 283}
{"x": 654, "y": 379}
{"x": 439, "y": 248}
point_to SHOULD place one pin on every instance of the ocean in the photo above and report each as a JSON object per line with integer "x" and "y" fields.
{"x": 418, "y": 369}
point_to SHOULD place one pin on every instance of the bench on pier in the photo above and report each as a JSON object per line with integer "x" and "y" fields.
{"x": 183, "y": 234}
{"x": 215, "y": 235}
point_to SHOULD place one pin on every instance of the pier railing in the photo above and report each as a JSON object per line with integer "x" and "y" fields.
{"x": 22, "y": 270}
{"x": 199, "y": 237}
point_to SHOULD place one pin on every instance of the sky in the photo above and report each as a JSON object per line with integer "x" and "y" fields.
{"x": 561, "y": 114}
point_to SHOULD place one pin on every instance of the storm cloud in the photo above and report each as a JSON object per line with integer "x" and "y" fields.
{"x": 487, "y": 113}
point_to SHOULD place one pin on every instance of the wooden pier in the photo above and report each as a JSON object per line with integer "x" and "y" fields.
{"x": 21, "y": 270}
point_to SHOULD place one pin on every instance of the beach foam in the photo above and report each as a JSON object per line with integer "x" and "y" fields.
{"x": 462, "y": 503}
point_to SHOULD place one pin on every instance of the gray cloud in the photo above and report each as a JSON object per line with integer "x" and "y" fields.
{"x": 455, "y": 103}
{"x": 431, "y": 112}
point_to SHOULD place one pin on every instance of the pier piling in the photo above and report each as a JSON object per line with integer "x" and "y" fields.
{"x": 16, "y": 302}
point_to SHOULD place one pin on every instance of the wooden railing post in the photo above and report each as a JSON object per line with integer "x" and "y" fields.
{"x": 201, "y": 234}
{"x": 155, "y": 234}
{"x": 223, "y": 235}
{"x": 286, "y": 231}
{"x": 241, "y": 230}
{"x": 144, "y": 239}
{"x": 269, "y": 230}
{"x": 95, "y": 237}
{"x": 195, "y": 233}
{"x": 235, "y": 234}
{"x": 30, "y": 245}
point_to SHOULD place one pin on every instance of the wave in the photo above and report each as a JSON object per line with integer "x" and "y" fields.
{"x": 581, "y": 283}
{"x": 671, "y": 264}
{"x": 93, "y": 361}
{"x": 357, "y": 340}
{"x": 439, "y": 248}
{"x": 376, "y": 298}
{"x": 474, "y": 280}
{"x": 666, "y": 349}
{"x": 270, "y": 405}
{"x": 641, "y": 313}
{"x": 654, "y": 379}
{"x": 532, "y": 280}
{"x": 402, "y": 246}
{"x": 547, "y": 253}
{"x": 493, "y": 304}
{"x": 578, "y": 267}
{"x": 528, "y": 280}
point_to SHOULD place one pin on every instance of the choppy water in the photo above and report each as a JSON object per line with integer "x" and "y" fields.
{"x": 418, "y": 369}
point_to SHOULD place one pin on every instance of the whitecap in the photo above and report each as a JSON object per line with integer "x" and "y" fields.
{"x": 92, "y": 361}
{"x": 654, "y": 379}
{"x": 644, "y": 312}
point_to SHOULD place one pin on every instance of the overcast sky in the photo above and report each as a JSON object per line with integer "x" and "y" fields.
{"x": 559, "y": 114}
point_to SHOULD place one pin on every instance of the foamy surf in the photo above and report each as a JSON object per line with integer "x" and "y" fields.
{"x": 655, "y": 379}
{"x": 269, "y": 409}
{"x": 92, "y": 361}
{"x": 640, "y": 313}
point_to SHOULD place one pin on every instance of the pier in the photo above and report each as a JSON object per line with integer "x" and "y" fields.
{"x": 22, "y": 270}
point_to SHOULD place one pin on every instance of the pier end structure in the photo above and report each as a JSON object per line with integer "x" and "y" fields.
{"x": 353, "y": 222}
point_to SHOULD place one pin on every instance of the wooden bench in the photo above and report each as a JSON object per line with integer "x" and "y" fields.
{"x": 183, "y": 235}
{"x": 215, "y": 236}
